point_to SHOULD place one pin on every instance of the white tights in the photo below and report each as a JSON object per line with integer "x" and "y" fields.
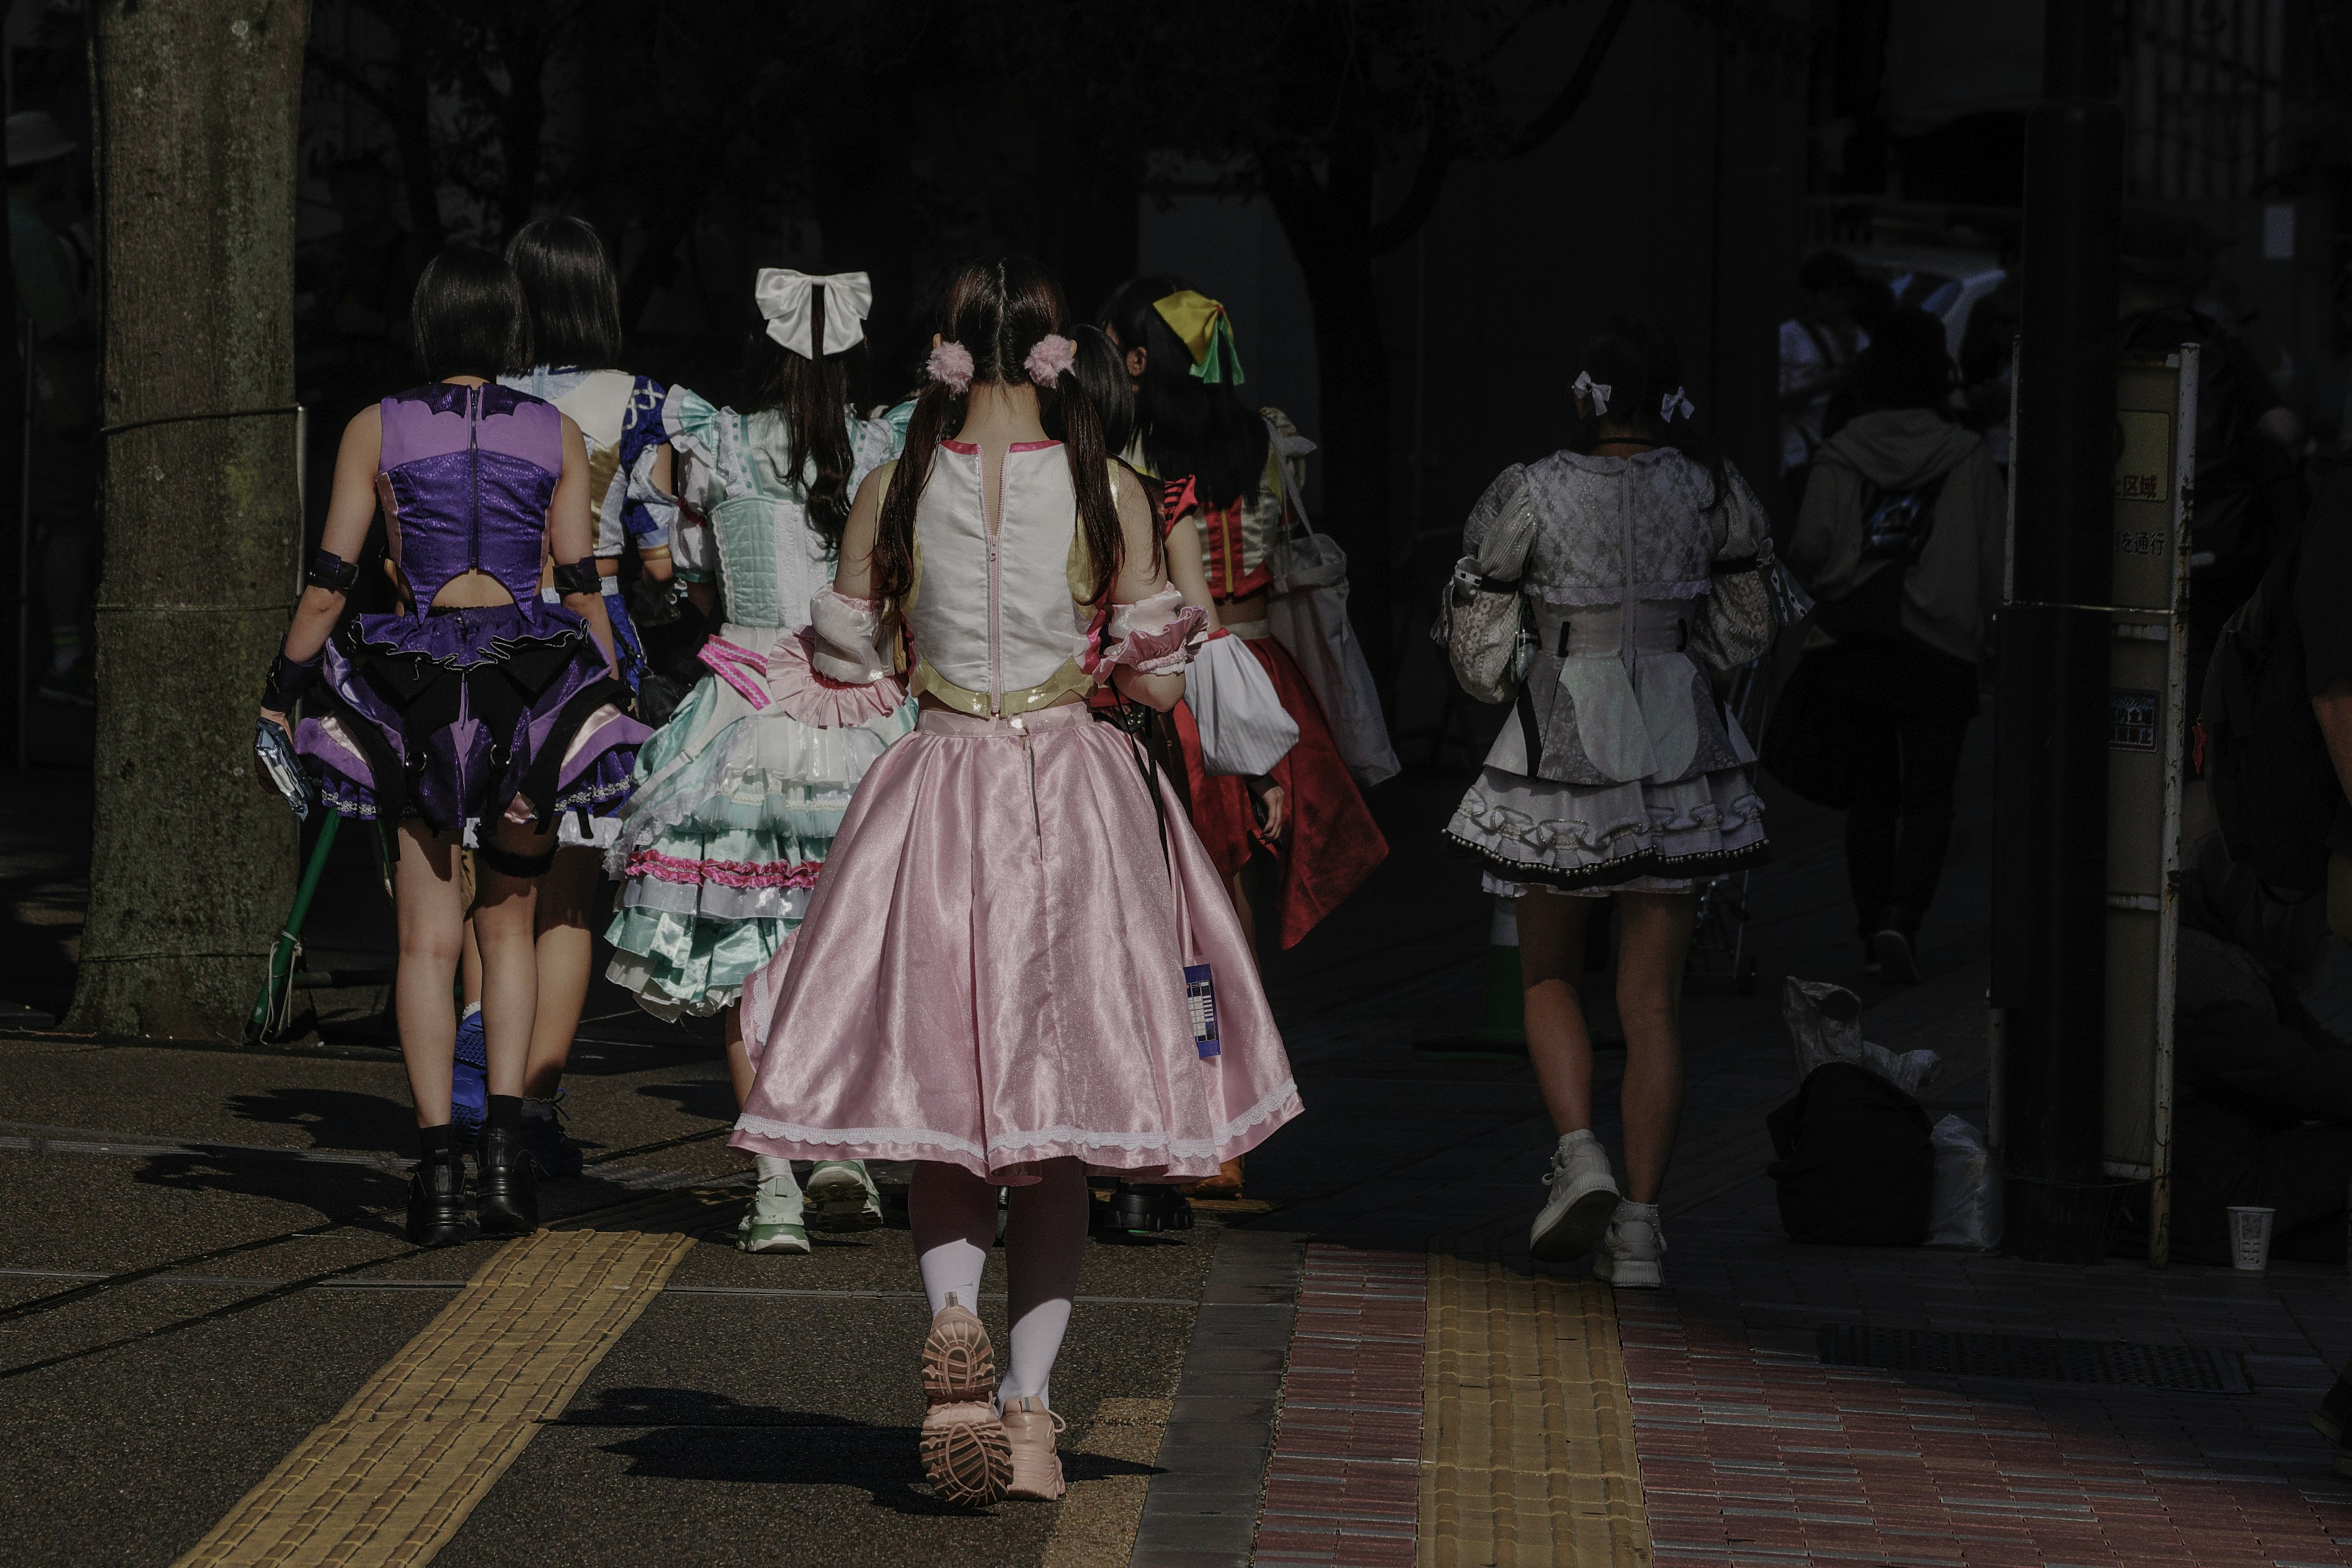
{"x": 953, "y": 1214}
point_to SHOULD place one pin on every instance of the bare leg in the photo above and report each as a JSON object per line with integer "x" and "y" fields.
{"x": 1237, "y": 888}
{"x": 739, "y": 1061}
{"x": 1551, "y": 971}
{"x": 432, "y": 922}
{"x": 503, "y": 924}
{"x": 1655, "y": 937}
{"x": 469, "y": 966}
{"x": 567, "y": 952}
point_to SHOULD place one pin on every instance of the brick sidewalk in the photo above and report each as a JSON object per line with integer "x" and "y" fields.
{"x": 1344, "y": 1484}
{"x": 1753, "y": 1452}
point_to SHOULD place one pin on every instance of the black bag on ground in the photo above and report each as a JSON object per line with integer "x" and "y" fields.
{"x": 2274, "y": 789}
{"x": 1804, "y": 743}
{"x": 1856, "y": 1163}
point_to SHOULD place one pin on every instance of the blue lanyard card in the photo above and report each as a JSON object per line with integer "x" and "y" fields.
{"x": 1200, "y": 995}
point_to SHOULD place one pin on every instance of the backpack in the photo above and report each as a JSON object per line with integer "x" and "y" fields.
{"x": 2273, "y": 786}
{"x": 1857, "y": 1162}
{"x": 1895, "y": 528}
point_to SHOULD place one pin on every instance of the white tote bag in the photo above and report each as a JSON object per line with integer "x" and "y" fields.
{"x": 1308, "y": 611}
{"x": 1244, "y": 729}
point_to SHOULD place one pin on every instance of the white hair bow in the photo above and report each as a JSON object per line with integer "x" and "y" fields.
{"x": 784, "y": 297}
{"x": 1675, "y": 403}
{"x": 1597, "y": 391}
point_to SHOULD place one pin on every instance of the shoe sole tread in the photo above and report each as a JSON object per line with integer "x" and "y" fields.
{"x": 966, "y": 1462}
{"x": 1579, "y": 1228}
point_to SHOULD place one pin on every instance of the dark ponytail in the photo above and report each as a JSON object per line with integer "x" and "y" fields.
{"x": 1186, "y": 424}
{"x": 815, "y": 398}
{"x": 998, "y": 310}
{"x": 1638, "y": 362}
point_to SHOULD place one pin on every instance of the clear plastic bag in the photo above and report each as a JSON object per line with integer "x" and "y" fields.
{"x": 1965, "y": 1210}
{"x": 1825, "y": 1023}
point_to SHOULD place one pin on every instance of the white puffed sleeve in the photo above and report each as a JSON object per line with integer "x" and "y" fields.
{"x": 1243, "y": 727}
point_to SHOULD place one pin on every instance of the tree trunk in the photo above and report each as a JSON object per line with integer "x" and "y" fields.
{"x": 194, "y": 106}
{"x": 1329, "y": 229}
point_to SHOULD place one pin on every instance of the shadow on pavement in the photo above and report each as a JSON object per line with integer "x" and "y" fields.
{"x": 692, "y": 1434}
{"x": 711, "y": 1099}
{"x": 334, "y": 1118}
{"x": 336, "y": 1192}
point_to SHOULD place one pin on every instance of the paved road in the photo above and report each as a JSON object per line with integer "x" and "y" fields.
{"x": 200, "y": 1267}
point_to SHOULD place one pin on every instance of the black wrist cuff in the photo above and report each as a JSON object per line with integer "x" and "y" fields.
{"x": 580, "y": 577}
{"x": 288, "y": 680}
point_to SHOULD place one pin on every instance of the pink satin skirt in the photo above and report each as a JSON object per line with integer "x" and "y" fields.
{"x": 992, "y": 972}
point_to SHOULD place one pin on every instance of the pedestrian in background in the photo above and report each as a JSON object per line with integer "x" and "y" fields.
{"x": 1817, "y": 344}
{"x": 1620, "y": 776}
{"x": 1900, "y": 541}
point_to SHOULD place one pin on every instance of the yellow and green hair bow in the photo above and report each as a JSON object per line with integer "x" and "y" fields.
{"x": 1202, "y": 325}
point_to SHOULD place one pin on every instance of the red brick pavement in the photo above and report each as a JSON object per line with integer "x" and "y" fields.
{"x": 1753, "y": 1453}
{"x": 1344, "y": 1485}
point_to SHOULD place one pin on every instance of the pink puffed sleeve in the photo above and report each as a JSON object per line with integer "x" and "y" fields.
{"x": 1155, "y": 635}
{"x": 835, "y": 671}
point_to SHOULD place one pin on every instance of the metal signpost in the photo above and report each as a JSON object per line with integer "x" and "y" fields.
{"x": 2156, "y": 462}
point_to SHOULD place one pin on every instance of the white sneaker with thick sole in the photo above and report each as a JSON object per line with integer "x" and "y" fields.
{"x": 842, "y": 1197}
{"x": 1583, "y": 1195}
{"x": 1632, "y": 1252}
{"x": 773, "y": 1222}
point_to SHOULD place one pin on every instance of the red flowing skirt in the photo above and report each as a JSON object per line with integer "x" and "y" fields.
{"x": 1330, "y": 843}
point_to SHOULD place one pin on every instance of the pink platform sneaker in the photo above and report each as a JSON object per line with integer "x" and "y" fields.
{"x": 1036, "y": 1468}
{"x": 964, "y": 1447}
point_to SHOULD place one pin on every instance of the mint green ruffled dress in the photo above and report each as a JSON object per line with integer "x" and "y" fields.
{"x": 734, "y": 805}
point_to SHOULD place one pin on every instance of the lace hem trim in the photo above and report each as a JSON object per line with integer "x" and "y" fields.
{"x": 917, "y": 1138}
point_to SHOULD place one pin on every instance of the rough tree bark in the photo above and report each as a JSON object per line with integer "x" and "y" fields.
{"x": 195, "y": 104}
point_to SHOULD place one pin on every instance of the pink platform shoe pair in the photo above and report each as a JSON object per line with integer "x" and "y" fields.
{"x": 972, "y": 1455}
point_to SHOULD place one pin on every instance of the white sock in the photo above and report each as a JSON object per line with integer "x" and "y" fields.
{"x": 953, "y": 1216}
{"x": 772, "y": 1167}
{"x": 471, "y": 1008}
{"x": 1045, "y": 1241}
{"x": 1628, "y": 1209}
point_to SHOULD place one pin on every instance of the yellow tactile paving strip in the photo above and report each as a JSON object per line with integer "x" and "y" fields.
{"x": 1527, "y": 1428}
{"x": 392, "y": 1478}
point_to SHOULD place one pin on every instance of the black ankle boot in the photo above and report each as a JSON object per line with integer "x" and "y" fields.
{"x": 437, "y": 1201}
{"x": 506, "y": 1188}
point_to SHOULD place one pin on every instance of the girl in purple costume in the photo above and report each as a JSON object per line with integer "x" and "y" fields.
{"x": 477, "y": 703}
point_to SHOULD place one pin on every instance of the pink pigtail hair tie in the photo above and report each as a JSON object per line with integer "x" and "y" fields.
{"x": 1050, "y": 358}
{"x": 951, "y": 366}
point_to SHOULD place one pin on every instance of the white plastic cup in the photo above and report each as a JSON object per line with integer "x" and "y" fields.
{"x": 2249, "y": 1237}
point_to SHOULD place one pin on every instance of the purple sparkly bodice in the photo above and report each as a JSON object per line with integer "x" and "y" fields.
{"x": 466, "y": 477}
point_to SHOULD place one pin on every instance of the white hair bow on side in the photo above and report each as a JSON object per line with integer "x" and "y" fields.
{"x": 785, "y": 301}
{"x": 1675, "y": 403}
{"x": 1595, "y": 391}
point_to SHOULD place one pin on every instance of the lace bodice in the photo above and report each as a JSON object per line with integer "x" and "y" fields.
{"x": 1612, "y": 528}
{"x": 747, "y": 522}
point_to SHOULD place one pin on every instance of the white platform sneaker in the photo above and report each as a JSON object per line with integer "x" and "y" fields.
{"x": 1583, "y": 1195}
{"x": 1631, "y": 1255}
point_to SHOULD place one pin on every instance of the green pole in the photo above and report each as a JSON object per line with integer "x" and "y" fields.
{"x": 281, "y": 957}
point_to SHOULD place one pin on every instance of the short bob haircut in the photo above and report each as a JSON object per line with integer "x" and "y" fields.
{"x": 572, "y": 298}
{"x": 467, "y": 316}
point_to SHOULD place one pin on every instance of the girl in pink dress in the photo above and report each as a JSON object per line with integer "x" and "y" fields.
{"x": 999, "y": 970}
